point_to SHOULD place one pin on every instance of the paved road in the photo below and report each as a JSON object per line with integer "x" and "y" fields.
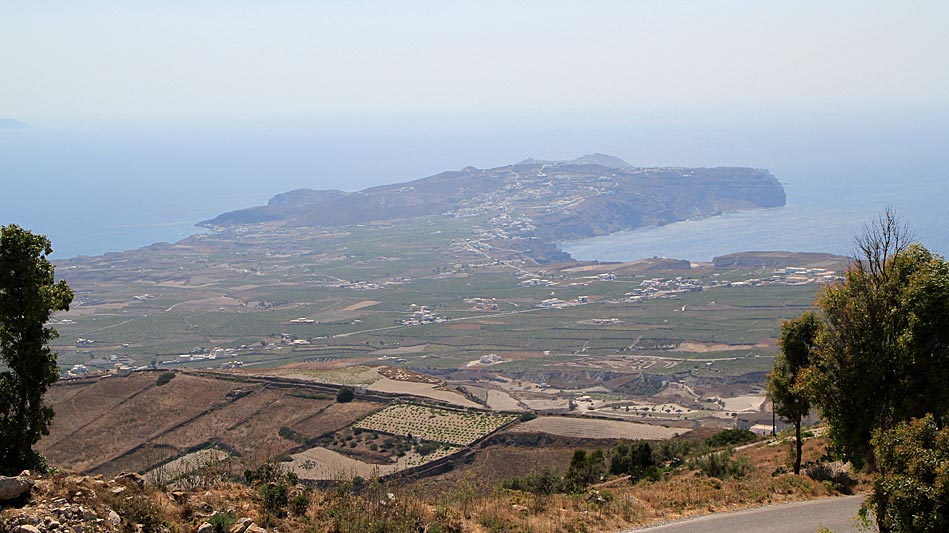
{"x": 835, "y": 514}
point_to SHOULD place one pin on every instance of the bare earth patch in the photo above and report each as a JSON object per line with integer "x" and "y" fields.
{"x": 595, "y": 429}
{"x": 706, "y": 347}
{"x": 418, "y": 348}
{"x": 322, "y": 464}
{"x": 359, "y": 305}
{"x": 750, "y": 402}
{"x": 427, "y": 390}
{"x": 502, "y": 401}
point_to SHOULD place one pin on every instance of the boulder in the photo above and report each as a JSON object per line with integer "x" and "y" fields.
{"x": 133, "y": 478}
{"x": 115, "y": 519}
{"x": 12, "y": 488}
{"x": 25, "y": 528}
{"x": 205, "y": 528}
{"x": 241, "y": 526}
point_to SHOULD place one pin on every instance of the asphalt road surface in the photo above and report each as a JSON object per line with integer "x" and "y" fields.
{"x": 835, "y": 514}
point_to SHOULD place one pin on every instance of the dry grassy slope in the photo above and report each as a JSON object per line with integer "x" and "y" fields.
{"x": 129, "y": 424}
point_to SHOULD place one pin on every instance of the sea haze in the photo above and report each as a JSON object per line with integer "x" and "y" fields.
{"x": 95, "y": 187}
{"x": 816, "y": 219}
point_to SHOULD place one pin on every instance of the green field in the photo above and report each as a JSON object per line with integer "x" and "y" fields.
{"x": 360, "y": 289}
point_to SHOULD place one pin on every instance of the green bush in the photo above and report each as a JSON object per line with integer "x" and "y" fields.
{"x": 635, "y": 460}
{"x": 910, "y": 487}
{"x": 222, "y": 522}
{"x": 731, "y": 437}
{"x": 585, "y": 468}
{"x": 427, "y": 448}
{"x": 300, "y": 503}
{"x": 722, "y": 465}
{"x": 345, "y": 395}
{"x": 274, "y": 498}
{"x": 164, "y": 378}
{"x": 540, "y": 482}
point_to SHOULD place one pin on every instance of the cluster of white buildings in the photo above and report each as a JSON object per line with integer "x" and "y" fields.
{"x": 483, "y": 304}
{"x": 663, "y": 288}
{"x": 557, "y": 303}
{"x": 420, "y": 314}
{"x": 202, "y": 355}
{"x": 793, "y": 276}
{"x": 358, "y": 285}
{"x": 535, "y": 282}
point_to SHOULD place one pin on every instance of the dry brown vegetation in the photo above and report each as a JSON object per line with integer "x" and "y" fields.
{"x": 456, "y": 501}
{"x": 130, "y": 424}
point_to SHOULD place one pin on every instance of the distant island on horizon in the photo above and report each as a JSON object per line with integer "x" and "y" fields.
{"x": 13, "y": 124}
{"x": 549, "y": 201}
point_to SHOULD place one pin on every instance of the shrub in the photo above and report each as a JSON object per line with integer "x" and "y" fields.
{"x": 164, "y": 378}
{"x": 137, "y": 509}
{"x": 274, "y": 498}
{"x": 427, "y": 448}
{"x": 635, "y": 460}
{"x": 539, "y": 482}
{"x": 345, "y": 395}
{"x": 222, "y": 522}
{"x": 300, "y": 503}
{"x": 722, "y": 465}
{"x": 731, "y": 437}
{"x": 837, "y": 473}
{"x": 269, "y": 472}
{"x": 584, "y": 469}
{"x": 910, "y": 489}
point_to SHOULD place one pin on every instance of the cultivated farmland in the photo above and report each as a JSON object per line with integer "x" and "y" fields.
{"x": 433, "y": 424}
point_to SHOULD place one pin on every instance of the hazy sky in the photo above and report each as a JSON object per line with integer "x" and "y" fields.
{"x": 200, "y": 58}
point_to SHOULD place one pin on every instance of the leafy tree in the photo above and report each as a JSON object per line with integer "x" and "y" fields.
{"x": 883, "y": 354}
{"x": 345, "y": 395}
{"x": 29, "y": 294}
{"x": 539, "y": 482}
{"x": 635, "y": 460}
{"x": 731, "y": 437}
{"x": 585, "y": 468}
{"x": 164, "y": 378}
{"x": 797, "y": 342}
{"x": 911, "y": 486}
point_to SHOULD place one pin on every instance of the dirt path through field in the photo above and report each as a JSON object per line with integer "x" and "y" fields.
{"x": 360, "y": 305}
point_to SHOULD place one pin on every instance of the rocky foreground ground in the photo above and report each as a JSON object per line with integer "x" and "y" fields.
{"x": 60, "y": 503}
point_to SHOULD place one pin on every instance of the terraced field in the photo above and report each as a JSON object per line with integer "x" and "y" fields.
{"x": 433, "y": 424}
{"x": 592, "y": 428}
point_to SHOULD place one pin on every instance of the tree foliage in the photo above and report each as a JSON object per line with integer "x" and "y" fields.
{"x": 345, "y": 395}
{"x": 585, "y": 468}
{"x": 29, "y": 294}
{"x": 884, "y": 348}
{"x": 785, "y": 382}
{"x": 911, "y": 486}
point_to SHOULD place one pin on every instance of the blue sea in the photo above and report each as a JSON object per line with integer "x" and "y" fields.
{"x": 99, "y": 186}
{"x": 817, "y": 218}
